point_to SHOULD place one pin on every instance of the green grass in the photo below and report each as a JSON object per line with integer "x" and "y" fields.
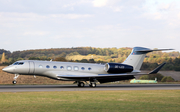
{"x": 106, "y": 101}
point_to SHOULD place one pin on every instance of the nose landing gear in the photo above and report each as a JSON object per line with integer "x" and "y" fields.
{"x": 14, "y": 82}
{"x": 16, "y": 76}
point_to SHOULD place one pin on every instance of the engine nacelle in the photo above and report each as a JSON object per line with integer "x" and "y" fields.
{"x": 117, "y": 68}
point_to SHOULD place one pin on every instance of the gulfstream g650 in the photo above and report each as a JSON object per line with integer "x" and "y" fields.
{"x": 81, "y": 72}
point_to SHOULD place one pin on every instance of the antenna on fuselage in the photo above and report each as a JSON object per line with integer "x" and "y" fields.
{"x": 50, "y": 60}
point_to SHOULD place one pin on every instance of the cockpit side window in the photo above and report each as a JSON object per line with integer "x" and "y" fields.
{"x": 21, "y": 63}
{"x": 18, "y": 63}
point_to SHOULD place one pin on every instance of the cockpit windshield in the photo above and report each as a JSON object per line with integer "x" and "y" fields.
{"x": 18, "y": 63}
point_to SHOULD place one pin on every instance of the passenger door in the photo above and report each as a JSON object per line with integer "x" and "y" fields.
{"x": 31, "y": 67}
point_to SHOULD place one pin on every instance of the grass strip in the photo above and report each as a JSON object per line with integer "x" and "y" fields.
{"x": 77, "y": 101}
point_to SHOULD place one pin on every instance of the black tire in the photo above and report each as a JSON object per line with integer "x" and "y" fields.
{"x": 14, "y": 82}
{"x": 93, "y": 85}
{"x": 81, "y": 84}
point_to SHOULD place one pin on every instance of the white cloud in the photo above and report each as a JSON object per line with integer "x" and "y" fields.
{"x": 116, "y": 9}
{"x": 165, "y": 10}
{"x": 10, "y": 19}
{"x": 114, "y": 5}
{"x": 178, "y": 15}
{"x": 164, "y": 6}
{"x": 99, "y": 3}
{"x": 68, "y": 36}
{"x": 153, "y": 16}
{"x": 171, "y": 37}
{"x": 97, "y": 23}
{"x": 71, "y": 16}
{"x": 37, "y": 33}
{"x": 15, "y": 16}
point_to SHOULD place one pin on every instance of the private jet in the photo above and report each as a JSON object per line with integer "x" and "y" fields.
{"x": 82, "y": 73}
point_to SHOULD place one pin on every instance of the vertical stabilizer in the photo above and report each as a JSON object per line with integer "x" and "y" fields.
{"x": 137, "y": 56}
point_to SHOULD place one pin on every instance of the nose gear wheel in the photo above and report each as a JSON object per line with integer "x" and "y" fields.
{"x": 15, "y": 78}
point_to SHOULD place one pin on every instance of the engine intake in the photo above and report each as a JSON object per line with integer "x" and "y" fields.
{"x": 117, "y": 68}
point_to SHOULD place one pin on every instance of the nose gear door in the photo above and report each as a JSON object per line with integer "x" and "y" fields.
{"x": 31, "y": 67}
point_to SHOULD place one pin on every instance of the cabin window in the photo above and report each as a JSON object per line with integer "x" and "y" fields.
{"x": 54, "y": 67}
{"x": 89, "y": 68}
{"x": 47, "y": 66}
{"x": 76, "y": 68}
{"x": 40, "y": 66}
{"x": 82, "y": 68}
{"x": 69, "y": 67}
{"x": 61, "y": 67}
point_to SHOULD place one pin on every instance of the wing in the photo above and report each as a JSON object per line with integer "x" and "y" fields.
{"x": 102, "y": 78}
{"x": 95, "y": 76}
{"x": 110, "y": 75}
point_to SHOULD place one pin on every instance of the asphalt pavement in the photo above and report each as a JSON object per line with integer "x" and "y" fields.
{"x": 100, "y": 87}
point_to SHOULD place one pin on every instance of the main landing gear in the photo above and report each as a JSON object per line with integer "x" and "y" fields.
{"x": 16, "y": 76}
{"x": 92, "y": 84}
{"x": 82, "y": 84}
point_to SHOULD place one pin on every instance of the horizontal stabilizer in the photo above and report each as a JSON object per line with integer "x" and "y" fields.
{"x": 157, "y": 69}
{"x": 150, "y": 50}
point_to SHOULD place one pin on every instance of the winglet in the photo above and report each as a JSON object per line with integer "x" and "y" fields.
{"x": 156, "y": 70}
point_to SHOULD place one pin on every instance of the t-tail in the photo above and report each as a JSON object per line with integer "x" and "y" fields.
{"x": 137, "y": 56}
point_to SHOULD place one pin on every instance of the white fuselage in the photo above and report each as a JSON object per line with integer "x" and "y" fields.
{"x": 52, "y": 68}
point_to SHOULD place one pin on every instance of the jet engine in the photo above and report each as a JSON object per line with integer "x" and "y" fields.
{"x": 117, "y": 68}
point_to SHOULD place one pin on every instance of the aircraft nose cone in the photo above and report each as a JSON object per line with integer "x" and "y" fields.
{"x": 4, "y": 69}
{"x": 8, "y": 69}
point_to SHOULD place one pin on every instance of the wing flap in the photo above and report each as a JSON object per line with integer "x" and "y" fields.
{"x": 97, "y": 76}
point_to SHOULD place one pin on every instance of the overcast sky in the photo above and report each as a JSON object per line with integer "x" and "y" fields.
{"x": 39, "y": 24}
